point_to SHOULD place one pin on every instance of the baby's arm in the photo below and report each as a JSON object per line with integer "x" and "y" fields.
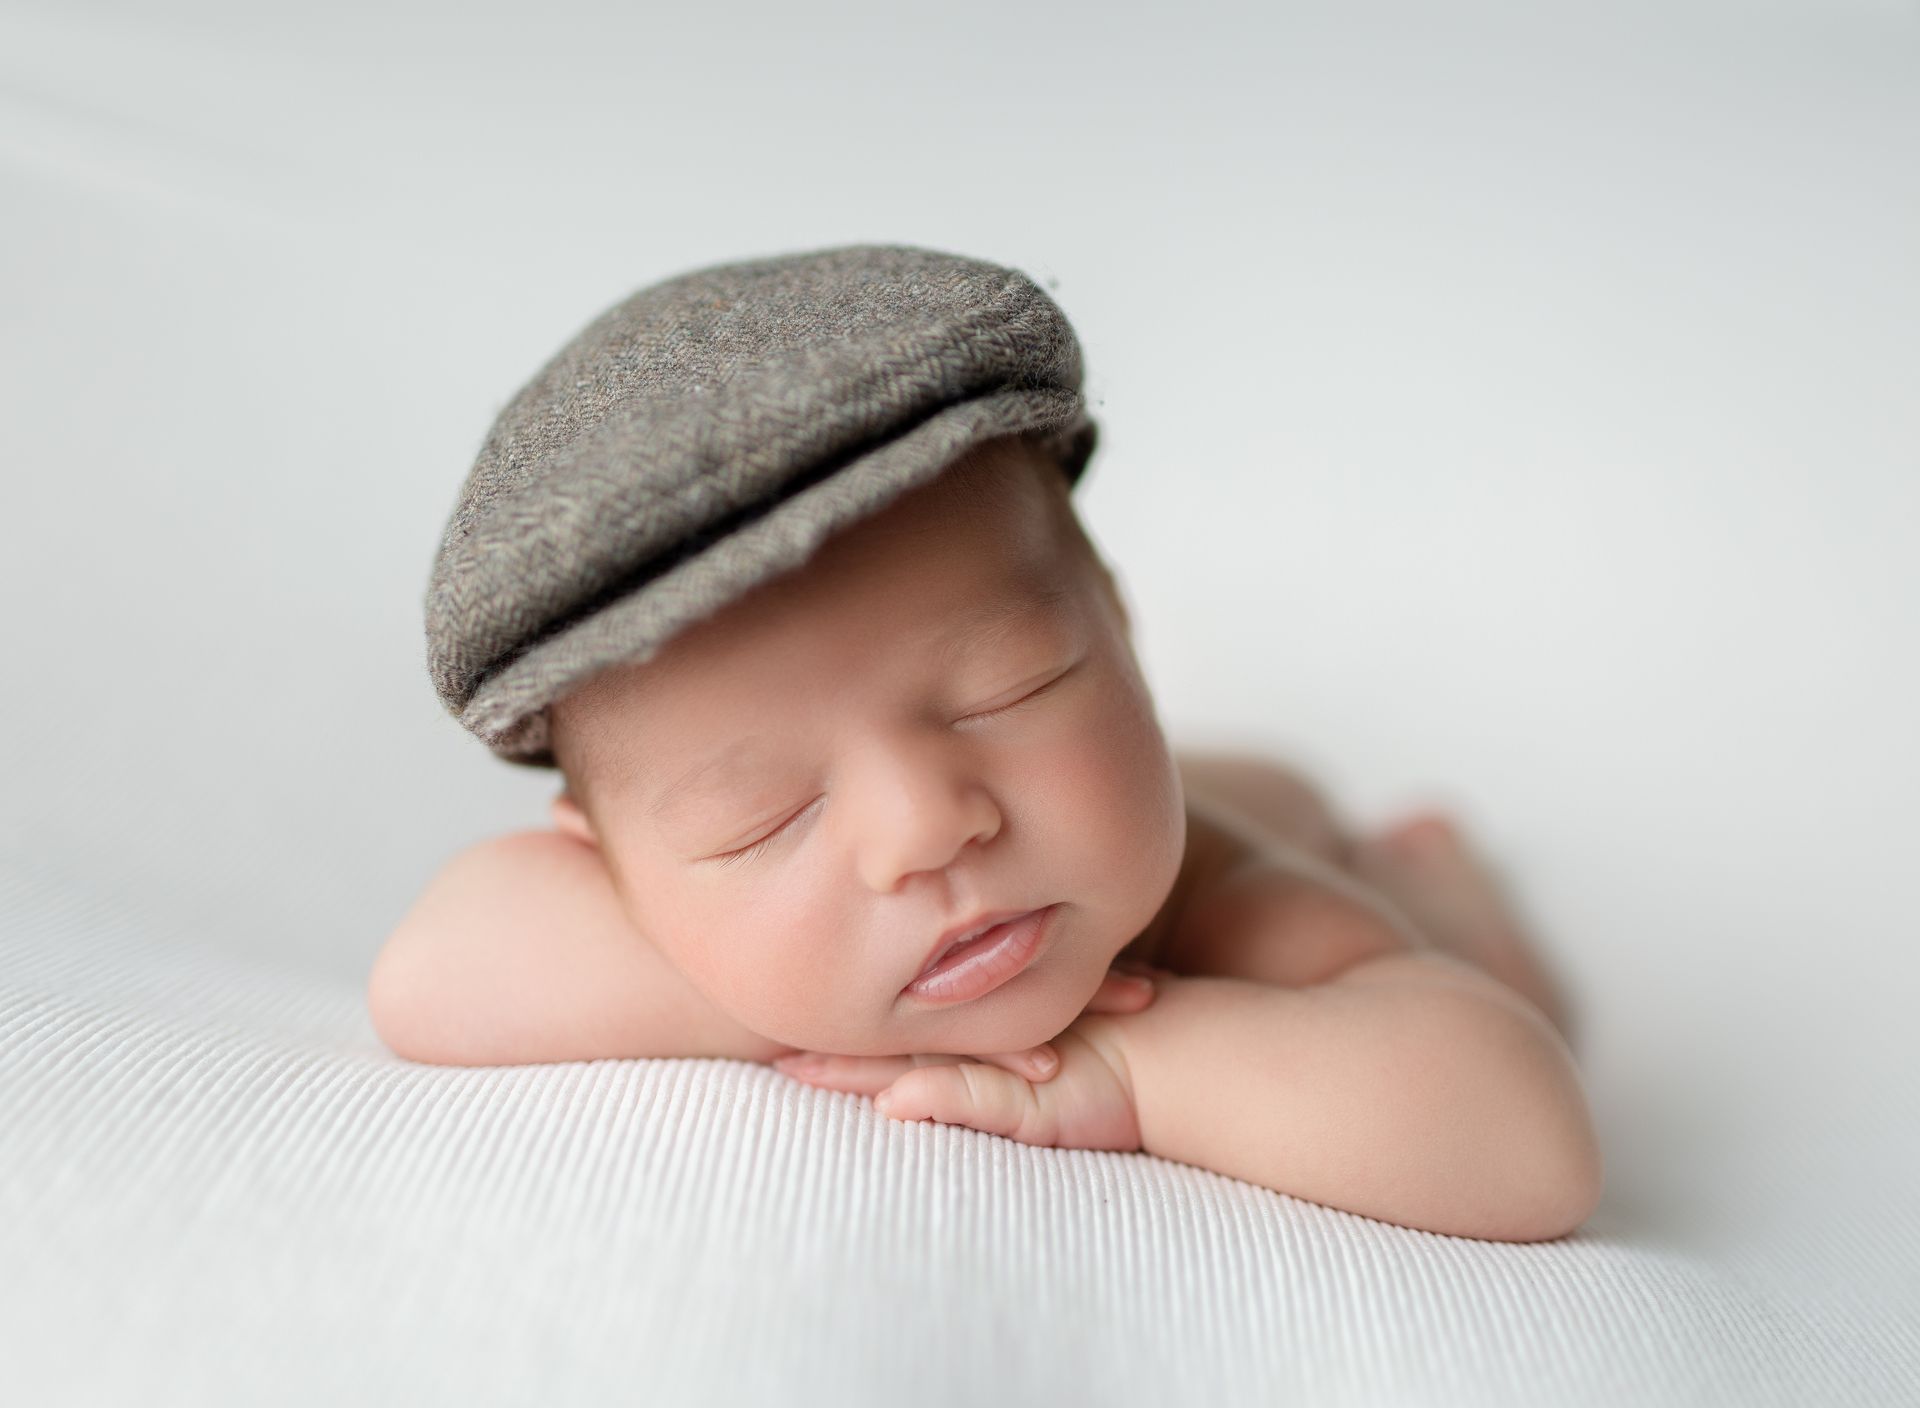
{"x": 1411, "y": 1088}
{"x": 520, "y": 951}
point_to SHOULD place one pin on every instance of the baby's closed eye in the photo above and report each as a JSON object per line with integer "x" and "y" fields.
{"x": 743, "y": 854}
{"x": 1030, "y": 697}
{"x": 748, "y": 852}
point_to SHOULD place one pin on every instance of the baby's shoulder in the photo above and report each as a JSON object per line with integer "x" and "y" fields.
{"x": 1259, "y": 907}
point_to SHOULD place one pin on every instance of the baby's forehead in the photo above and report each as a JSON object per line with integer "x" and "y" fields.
{"x": 890, "y": 591}
{"x": 970, "y": 623}
{"x": 973, "y": 624}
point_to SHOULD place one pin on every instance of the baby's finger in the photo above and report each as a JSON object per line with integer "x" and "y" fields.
{"x": 1122, "y": 991}
{"x": 972, "y": 1093}
{"x": 860, "y": 1075}
{"x": 1041, "y": 1064}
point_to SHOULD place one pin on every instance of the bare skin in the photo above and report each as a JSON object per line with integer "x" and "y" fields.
{"x": 1355, "y": 1020}
{"x": 1423, "y": 865}
{"x": 551, "y": 968}
{"x": 1308, "y": 1032}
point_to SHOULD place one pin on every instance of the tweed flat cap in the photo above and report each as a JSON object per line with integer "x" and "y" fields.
{"x": 710, "y": 432}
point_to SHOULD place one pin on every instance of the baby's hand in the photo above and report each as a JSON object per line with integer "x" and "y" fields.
{"x": 1082, "y": 1102}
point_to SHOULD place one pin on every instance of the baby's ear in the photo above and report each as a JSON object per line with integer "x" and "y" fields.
{"x": 568, "y": 817}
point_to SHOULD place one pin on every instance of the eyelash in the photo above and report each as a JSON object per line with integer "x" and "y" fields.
{"x": 1028, "y": 697}
{"x": 747, "y": 853}
{"x": 734, "y": 857}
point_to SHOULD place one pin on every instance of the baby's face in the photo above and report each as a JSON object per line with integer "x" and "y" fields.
{"x": 798, "y": 796}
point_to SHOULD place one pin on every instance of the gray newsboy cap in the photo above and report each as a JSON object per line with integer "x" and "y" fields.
{"x": 710, "y": 432}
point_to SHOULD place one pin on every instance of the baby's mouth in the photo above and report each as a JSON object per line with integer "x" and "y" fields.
{"x": 978, "y": 965}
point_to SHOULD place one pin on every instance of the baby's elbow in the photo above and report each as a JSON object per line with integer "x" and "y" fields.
{"x": 390, "y": 1003}
{"x": 409, "y": 1014}
{"x": 1531, "y": 1170}
{"x": 1586, "y": 1183}
{"x": 1559, "y": 1175}
{"x": 1560, "y": 1193}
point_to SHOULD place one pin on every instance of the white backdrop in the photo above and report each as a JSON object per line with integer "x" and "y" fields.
{"x": 1512, "y": 408}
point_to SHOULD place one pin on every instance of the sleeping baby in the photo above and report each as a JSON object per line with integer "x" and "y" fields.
{"x": 777, "y": 565}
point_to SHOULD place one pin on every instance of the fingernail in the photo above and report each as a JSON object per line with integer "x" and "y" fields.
{"x": 883, "y": 1101}
{"x": 1140, "y": 982}
{"x": 1044, "y": 1062}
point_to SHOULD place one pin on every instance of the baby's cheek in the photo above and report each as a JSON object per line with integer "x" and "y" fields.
{"x": 1132, "y": 823}
{"x": 1120, "y": 776}
{"x": 709, "y": 950}
{"x": 795, "y": 978}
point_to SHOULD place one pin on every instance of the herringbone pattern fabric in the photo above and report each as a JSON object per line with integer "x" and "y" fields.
{"x": 711, "y": 431}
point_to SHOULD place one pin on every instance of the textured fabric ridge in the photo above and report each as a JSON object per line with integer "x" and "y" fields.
{"x": 214, "y": 1175}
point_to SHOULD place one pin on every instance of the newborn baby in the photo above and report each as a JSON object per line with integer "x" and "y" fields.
{"x": 904, "y": 822}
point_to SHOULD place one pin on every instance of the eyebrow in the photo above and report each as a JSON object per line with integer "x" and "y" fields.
{"x": 971, "y": 633}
